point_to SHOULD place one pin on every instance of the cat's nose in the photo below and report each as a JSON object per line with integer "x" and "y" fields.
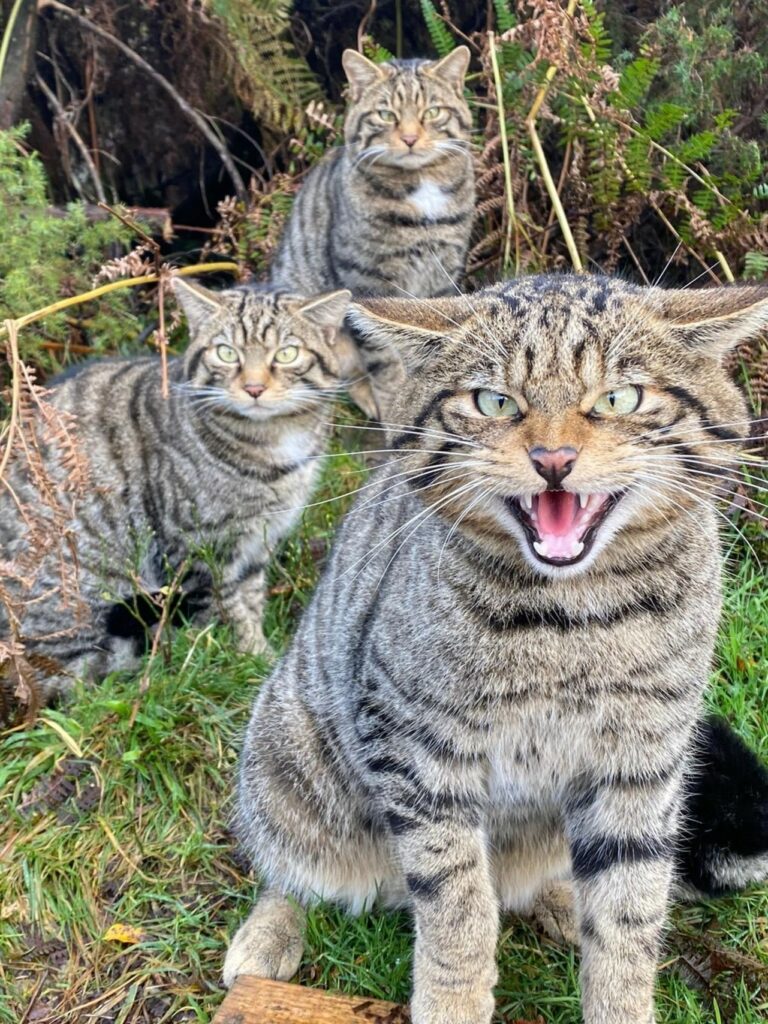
{"x": 410, "y": 140}
{"x": 254, "y": 390}
{"x": 553, "y": 465}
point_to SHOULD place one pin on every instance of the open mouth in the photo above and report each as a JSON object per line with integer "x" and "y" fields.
{"x": 561, "y": 526}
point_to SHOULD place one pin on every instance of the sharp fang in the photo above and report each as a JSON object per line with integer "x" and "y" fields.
{"x": 540, "y": 548}
{"x": 527, "y": 502}
{"x": 578, "y": 547}
{"x": 583, "y": 500}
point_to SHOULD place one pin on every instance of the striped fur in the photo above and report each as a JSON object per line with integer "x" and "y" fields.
{"x": 376, "y": 216}
{"x": 461, "y": 722}
{"x": 210, "y": 469}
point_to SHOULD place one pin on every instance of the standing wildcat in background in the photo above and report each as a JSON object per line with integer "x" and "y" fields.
{"x": 390, "y": 212}
{"x": 226, "y": 462}
{"x": 498, "y": 681}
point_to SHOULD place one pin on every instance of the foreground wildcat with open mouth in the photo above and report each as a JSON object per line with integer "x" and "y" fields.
{"x": 561, "y": 526}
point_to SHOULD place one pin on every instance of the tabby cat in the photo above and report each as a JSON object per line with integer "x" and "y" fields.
{"x": 390, "y": 212}
{"x": 499, "y": 679}
{"x": 226, "y": 462}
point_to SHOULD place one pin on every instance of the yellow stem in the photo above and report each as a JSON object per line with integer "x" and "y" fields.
{"x": 113, "y": 286}
{"x": 725, "y": 265}
{"x": 512, "y": 219}
{"x": 538, "y": 149}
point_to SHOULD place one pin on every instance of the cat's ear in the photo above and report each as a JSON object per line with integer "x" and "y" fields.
{"x": 326, "y": 310}
{"x": 361, "y": 72}
{"x": 409, "y": 325}
{"x": 453, "y": 68}
{"x": 198, "y": 303}
{"x": 713, "y": 320}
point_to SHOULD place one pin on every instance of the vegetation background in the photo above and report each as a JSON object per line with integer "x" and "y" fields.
{"x": 136, "y": 137}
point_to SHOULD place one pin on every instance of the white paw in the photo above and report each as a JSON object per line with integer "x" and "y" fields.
{"x": 269, "y": 944}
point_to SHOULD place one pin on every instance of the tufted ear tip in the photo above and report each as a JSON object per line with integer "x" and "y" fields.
{"x": 197, "y": 302}
{"x": 712, "y": 320}
{"x": 453, "y": 68}
{"x": 327, "y": 310}
{"x": 361, "y": 72}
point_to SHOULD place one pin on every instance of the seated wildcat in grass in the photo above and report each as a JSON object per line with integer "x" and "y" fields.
{"x": 498, "y": 684}
{"x": 224, "y": 464}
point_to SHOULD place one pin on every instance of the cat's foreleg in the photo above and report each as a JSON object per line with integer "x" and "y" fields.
{"x": 270, "y": 942}
{"x": 447, "y": 872}
{"x": 243, "y": 597}
{"x": 622, "y": 834}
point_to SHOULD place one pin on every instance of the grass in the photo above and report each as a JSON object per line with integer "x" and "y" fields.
{"x": 115, "y": 812}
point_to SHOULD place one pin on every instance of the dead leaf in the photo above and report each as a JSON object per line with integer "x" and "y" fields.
{"x": 125, "y": 933}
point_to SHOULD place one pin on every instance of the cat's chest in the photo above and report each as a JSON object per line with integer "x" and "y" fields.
{"x": 429, "y": 200}
{"x": 532, "y": 756}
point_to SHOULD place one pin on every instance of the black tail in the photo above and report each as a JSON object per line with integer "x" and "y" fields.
{"x": 725, "y": 846}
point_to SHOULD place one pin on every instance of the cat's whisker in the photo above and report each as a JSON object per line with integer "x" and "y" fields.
{"x": 420, "y": 519}
{"x": 435, "y": 309}
{"x": 403, "y": 428}
{"x": 704, "y": 497}
{"x": 493, "y": 490}
{"x": 498, "y": 343}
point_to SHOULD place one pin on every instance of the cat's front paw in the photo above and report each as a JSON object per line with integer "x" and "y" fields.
{"x": 554, "y": 911}
{"x": 452, "y": 1007}
{"x": 251, "y": 639}
{"x": 269, "y": 944}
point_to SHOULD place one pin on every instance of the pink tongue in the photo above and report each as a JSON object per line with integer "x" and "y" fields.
{"x": 556, "y": 512}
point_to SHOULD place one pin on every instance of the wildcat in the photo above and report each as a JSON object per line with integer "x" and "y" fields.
{"x": 225, "y": 462}
{"x": 498, "y": 681}
{"x": 390, "y": 212}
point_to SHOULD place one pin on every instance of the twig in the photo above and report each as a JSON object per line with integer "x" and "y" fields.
{"x": 131, "y": 224}
{"x": 165, "y": 613}
{"x": 541, "y": 158}
{"x": 61, "y": 114}
{"x": 512, "y": 219}
{"x": 12, "y": 346}
{"x": 33, "y": 998}
{"x": 673, "y": 230}
{"x": 364, "y": 24}
{"x": 190, "y": 112}
{"x": 162, "y": 340}
{"x": 635, "y": 260}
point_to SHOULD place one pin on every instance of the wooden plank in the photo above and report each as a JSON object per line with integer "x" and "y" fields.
{"x": 256, "y": 1001}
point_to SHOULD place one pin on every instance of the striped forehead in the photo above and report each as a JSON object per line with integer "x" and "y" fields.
{"x": 555, "y": 339}
{"x": 259, "y": 320}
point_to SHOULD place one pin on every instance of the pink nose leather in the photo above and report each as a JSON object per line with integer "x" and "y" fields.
{"x": 553, "y": 465}
{"x": 254, "y": 390}
{"x": 410, "y": 140}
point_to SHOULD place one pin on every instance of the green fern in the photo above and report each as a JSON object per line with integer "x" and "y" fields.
{"x": 755, "y": 265}
{"x": 662, "y": 119}
{"x": 636, "y": 79}
{"x": 376, "y": 52}
{"x": 442, "y": 40}
{"x": 505, "y": 19}
{"x": 276, "y": 82}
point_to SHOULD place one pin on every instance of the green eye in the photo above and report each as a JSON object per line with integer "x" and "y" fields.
{"x": 227, "y": 354}
{"x": 287, "y": 354}
{"x": 618, "y": 402}
{"x": 490, "y": 403}
{"x": 387, "y": 115}
{"x": 432, "y": 112}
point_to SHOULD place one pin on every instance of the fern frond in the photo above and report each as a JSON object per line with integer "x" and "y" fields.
{"x": 276, "y": 82}
{"x": 505, "y": 19}
{"x": 442, "y": 40}
{"x": 755, "y": 265}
